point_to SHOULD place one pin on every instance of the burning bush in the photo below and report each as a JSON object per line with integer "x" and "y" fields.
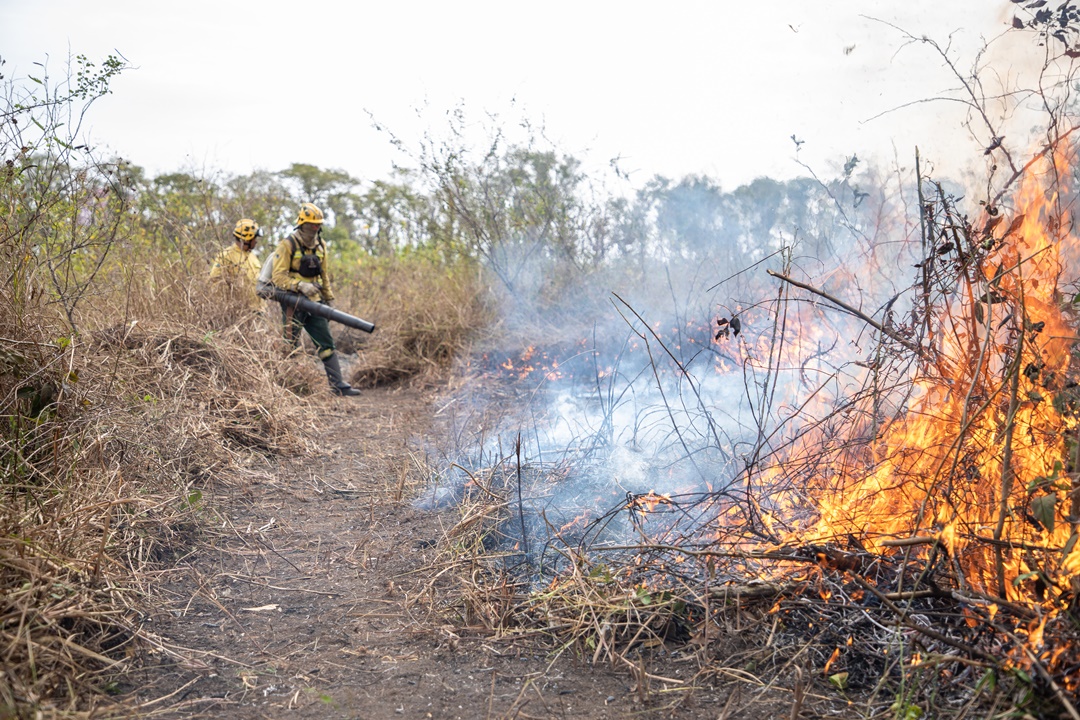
{"x": 908, "y": 522}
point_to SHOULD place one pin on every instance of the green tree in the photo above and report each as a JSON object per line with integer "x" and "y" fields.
{"x": 396, "y": 215}
{"x": 331, "y": 190}
{"x": 518, "y": 210}
{"x": 64, "y": 208}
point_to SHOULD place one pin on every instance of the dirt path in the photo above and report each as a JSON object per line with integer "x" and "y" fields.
{"x": 317, "y": 598}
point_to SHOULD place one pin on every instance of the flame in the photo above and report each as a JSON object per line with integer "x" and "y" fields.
{"x": 693, "y": 334}
{"x": 644, "y": 504}
{"x": 976, "y": 458}
{"x": 832, "y": 658}
{"x": 577, "y": 523}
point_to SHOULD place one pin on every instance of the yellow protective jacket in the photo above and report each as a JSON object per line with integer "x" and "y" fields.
{"x": 234, "y": 264}
{"x": 287, "y": 257}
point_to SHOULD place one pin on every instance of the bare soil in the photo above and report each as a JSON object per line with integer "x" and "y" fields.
{"x": 316, "y": 594}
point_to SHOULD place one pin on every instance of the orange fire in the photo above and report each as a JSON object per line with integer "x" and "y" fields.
{"x": 975, "y": 458}
{"x": 521, "y": 367}
{"x": 644, "y": 504}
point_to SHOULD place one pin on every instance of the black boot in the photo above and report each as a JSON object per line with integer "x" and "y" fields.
{"x": 333, "y": 374}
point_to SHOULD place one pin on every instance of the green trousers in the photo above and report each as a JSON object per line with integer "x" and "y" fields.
{"x": 318, "y": 329}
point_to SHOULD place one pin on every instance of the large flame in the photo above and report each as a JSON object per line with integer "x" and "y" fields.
{"x": 977, "y": 458}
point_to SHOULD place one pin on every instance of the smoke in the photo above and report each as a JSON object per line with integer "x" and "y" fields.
{"x": 642, "y": 397}
{"x": 655, "y": 356}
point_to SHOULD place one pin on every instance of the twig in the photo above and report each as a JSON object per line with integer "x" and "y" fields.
{"x": 521, "y": 510}
{"x": 740, "y": 272}
{"x": 277, "y": 587}
{"x": 856, "y": 312}
{"x": 1006, "y": 457}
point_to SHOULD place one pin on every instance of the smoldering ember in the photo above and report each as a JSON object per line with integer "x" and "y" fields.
{"x": 805, "y": 448}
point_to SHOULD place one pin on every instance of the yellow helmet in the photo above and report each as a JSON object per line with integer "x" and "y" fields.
{"x": 309, "y": 214}
{"x": 246, "y": 230}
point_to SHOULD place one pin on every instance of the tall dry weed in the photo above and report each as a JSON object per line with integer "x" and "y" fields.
{"x": 427, "y": 313}
{"x": 114, "y": 442}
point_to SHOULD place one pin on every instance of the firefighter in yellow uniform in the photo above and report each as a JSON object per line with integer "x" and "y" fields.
{"x": 299, "y": 265}
{"x": 237, "y": 263}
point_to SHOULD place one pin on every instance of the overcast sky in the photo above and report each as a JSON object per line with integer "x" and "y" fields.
{"x": 673, "y": 88}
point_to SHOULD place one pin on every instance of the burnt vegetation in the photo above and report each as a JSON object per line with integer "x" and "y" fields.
{"x": 865, "y": 491}
{"x": 814, "y": 441}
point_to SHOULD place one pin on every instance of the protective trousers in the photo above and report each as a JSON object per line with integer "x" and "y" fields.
{"x": 318, "y": 329}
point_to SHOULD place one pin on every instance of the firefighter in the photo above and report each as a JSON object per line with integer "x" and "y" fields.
{"x": 237, "y": 263}
{"x": 299, "y": 265}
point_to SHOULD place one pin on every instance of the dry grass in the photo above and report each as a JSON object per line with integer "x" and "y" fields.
{"x": 113, "y": 442}
{"x": 426, "y": 315}
{"x": 825, "y": 633}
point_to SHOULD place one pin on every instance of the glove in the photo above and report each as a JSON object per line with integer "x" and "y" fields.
{"x": 309, "y": 289}
{"x": 328, "y": 303}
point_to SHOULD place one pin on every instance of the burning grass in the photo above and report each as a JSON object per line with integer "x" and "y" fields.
{"x": 909, "y": 546}
{"x": 812, "y": 628}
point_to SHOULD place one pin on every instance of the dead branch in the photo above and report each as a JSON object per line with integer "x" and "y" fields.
{"x": 856, "y": 312}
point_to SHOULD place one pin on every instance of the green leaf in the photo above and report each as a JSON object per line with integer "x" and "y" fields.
{"x": 839, "y": 680}
{"x": 1043, "y": 508}
{"x": 1070, "y": 544}
{"x": 1025, "y": 577}
{"x": 194, "y": 498}
{"x": 908, "y": 712}
{"x": 598, "y": 571}
{"x": 988, "y": 680}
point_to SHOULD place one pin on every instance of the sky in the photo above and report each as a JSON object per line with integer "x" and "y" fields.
{"x": 677, "y": 88}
